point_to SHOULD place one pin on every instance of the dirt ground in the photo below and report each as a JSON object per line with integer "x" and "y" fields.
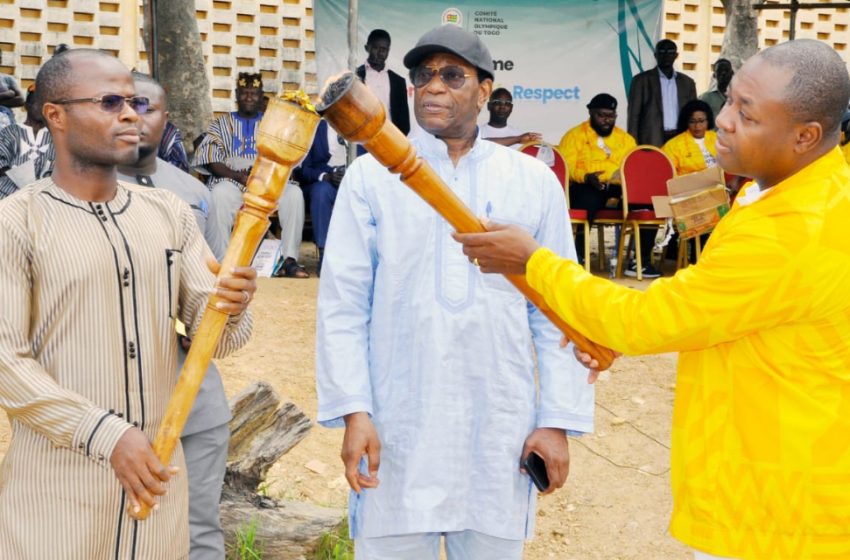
{"x": 616, "y": 503}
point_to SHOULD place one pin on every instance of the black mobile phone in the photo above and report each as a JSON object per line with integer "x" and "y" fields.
{"x": 536, "y": 469}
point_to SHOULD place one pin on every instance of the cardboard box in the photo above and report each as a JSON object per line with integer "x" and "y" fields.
{"x": 695, "y": 201}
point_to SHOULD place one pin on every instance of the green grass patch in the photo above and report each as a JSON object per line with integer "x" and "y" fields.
{"x": 247, "y": 547}
{"x": 335, "y": 545}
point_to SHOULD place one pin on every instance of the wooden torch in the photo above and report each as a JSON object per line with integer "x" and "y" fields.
{"x": 284, "y": 136}
{"x": 356, "y": 114}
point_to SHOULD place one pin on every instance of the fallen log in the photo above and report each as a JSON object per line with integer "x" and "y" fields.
{"x": 261, "y": 432}
{"x": 284, "y": 530}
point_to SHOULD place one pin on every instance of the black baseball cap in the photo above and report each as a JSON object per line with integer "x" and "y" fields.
{"x": 455, "y": 40}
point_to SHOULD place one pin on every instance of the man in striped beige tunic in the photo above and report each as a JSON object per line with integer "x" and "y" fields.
{"x": 94, "y": 274}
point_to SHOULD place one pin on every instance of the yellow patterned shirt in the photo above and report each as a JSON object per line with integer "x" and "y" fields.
{"x": 686, "y": 154}
{"x": 583, "y": 154}
{"x": 761, "y": 422}
{"x": 846, "y": 150}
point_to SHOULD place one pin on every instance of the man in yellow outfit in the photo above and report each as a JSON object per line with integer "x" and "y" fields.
{"x": 761, "y": 453}
{"x": 593, "y": 152}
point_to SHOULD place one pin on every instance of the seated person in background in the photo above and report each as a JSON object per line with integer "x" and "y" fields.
{"x": 6, "y": 117}
{"x": 501, "y": 105}
{"x": 227, "y": 153}
{"x": 693, "y": 148}
{"x": 10, "y": 97}
{"x": 319, "y": 176}
{"x": 202, "y": 177}
{"x": 26, "y": 150}
{"x": 198, "y": 139}
{"x": 594, "y": 151}
{"x": 171, "y": 148}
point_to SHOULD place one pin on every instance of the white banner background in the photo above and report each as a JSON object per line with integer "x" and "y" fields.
{"x": 553, "y": 56}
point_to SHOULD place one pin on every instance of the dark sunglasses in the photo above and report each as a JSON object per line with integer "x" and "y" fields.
{"x": 112, "y": 103}
{"x": 452, "y": 76}
{"x": 501, "y": 102}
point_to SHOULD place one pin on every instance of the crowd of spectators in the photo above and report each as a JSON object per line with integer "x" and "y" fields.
{"x": 663, "y": 110}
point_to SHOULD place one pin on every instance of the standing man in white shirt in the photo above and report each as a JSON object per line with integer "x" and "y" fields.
{"x": 388, "y": 86}
{"x": 655, "y": 97}
{"x": 446, "y": 379}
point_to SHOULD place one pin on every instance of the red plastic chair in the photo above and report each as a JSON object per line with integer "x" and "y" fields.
{"x": 644, "y": 172}
{"x": 559, "y": 167}
{"x": 578, "y": 218}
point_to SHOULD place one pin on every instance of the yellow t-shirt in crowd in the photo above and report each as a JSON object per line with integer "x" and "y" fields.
{"x": 846, "y": 150}
{"x": 685, "y": 153}
{"x": 581, "y": 150}
{"x": 761, "y": 421}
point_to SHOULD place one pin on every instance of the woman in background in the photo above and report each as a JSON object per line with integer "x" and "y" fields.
{"x": 693, "y": 148}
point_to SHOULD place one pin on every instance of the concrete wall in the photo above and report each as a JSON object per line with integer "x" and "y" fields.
{"x": 697, "y": 26}
{"x": 275, "y": 38}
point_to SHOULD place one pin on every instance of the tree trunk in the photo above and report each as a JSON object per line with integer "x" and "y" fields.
{"x": 261, "y": 432}
{"x": 740, "y": 40}
{"x": 180, "y": 65}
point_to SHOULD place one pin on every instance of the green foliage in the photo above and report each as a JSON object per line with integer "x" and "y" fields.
{"x": 264, "y": 489}
{"x": 335, "y": 545}
{"x": 247, "y": 547}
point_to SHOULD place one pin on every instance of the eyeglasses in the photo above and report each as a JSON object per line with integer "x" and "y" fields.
{"x": 452, "y": 76}
{"x": 501, "y": 103}
{"x": 697, "y": 121}
{"x": 112, "y": 103}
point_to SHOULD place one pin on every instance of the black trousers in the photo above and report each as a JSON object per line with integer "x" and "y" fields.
{"x": 586, "y": 197}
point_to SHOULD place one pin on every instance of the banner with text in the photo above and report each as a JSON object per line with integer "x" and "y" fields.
{"x": 552, "y": 56}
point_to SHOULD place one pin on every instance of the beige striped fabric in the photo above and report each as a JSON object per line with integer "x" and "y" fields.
{"x": 89, "y": 293}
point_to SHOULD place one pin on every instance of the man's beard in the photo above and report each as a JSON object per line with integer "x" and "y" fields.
{"x": 601, "y": 132}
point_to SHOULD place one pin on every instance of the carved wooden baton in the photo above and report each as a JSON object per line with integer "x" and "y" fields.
{"x": 284, "y": 136}
{"x": 356, "y": 114}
